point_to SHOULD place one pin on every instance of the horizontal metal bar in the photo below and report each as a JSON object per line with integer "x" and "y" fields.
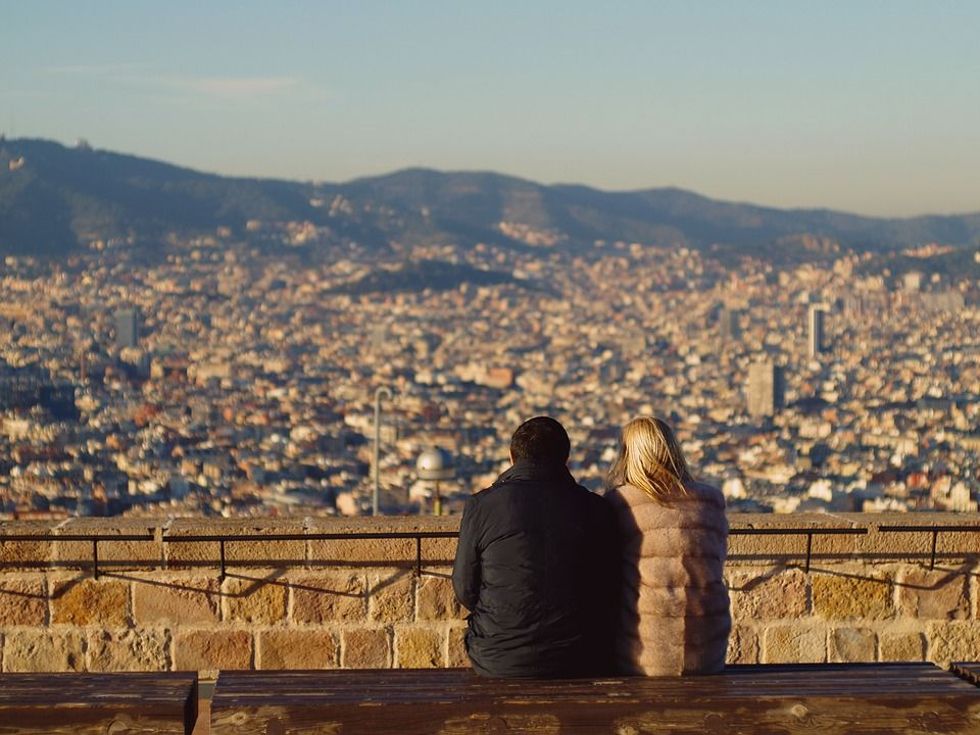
{"x": 930, "y": 529}
{"x": 237, "y": 537}
{"x": 76, "y": 537}
{"x": 310, "y": 536}
{"x": 797, "y": 531}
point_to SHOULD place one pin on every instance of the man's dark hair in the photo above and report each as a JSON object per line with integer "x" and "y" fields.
{"x": 541, "y": 439}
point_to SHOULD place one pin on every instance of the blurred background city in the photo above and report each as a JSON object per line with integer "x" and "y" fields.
{"x": 305, "y": 332}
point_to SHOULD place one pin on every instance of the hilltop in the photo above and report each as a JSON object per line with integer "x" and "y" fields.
{"x": 54, "y": 198}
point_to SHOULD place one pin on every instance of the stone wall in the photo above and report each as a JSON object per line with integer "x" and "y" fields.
{"x": 358, "y": 603}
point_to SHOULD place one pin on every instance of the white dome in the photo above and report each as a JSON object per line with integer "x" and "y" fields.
{"x": 435, "y": 464}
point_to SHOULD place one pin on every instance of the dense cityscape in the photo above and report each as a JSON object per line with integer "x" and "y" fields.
{"x": 221, "y": 378}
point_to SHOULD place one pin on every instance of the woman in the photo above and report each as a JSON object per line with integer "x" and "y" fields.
{"x": 674, "y": 537}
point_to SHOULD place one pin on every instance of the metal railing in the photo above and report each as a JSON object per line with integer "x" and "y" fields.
{"x": 418, "y": 536}
{"x": 808, "y": 532}
{"x": 934, "y": 530}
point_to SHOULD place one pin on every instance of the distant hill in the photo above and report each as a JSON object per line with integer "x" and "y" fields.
{"x": 52, "y": 198}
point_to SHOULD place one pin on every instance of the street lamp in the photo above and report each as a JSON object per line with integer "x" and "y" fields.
{"x": 380, "y": 393}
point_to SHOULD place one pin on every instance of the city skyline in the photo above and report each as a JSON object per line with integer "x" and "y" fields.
{"x": 786, "y": 105}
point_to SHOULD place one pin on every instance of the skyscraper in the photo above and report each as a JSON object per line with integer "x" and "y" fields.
{"x": 817, "y": 342}
{"x": 765, "y": 390}
{"x": 728, "y": 324}
{"x": 127, "y": 327}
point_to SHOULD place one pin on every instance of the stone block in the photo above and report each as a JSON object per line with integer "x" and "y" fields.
{"x": 43, "y": 650}
{"x": 902, "y": 647}
{"x": 128, "y": 650}
{"x": 839, "y": 597}
{"x": 366, "y": 648}
{"x": 437, "y": 600}
{"x": 23, "y": 601}
{"x": 934, "y": 595}
{"x": 957, "y": 546}
{"x": 756, "y": 550}
{"x": 418, "y": 648}
{"x": 237, "y": 553}
{"x": 113, "y": 555}
{"x": 254, "y": 599}
{"x": 903, "y": 546}
{"x": 212, "y": 648}
{"x": 794, "y": 644}
{"x": 328, "y": 597}
{"x": 852, "y": 645}
{"x": 25, "y": 554}
{"x": 438, "y": 550}
{"x": 161, "y": 599}
{"x": 768, "y": 595}
{"x": 90, "y": 602}
{"x": 392, "y": 597}
{"x": 456, "y": 655}
{"x": 297, "y": 649}
{"x": 954, "y": 641}
{"x": 381, "y": 552}
{"x": 363, "y": 552}
{"x": 833, "y": 548}
{"x": 743, "y": 645}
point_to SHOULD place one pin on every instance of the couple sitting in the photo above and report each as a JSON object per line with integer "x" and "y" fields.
{"x": 562, "y": 582}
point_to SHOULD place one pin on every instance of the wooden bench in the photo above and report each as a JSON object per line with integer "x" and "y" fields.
{"x": 847, "y": 698}
{"x": 83, "y": 704}
{"x": 968, "y": 670}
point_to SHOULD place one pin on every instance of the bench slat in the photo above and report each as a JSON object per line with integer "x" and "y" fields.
{"x": 120, "y": 703}
{"x": 915, "y": 698}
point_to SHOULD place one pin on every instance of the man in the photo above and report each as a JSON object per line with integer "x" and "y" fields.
{"x": 537, "y": 565}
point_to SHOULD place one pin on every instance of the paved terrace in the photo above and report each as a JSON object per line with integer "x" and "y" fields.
{"x": 309, "y": 593}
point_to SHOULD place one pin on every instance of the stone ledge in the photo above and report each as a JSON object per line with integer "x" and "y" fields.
{"x": 875, "y": 545}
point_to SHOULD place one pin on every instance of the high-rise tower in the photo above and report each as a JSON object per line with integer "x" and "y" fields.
{"x": 766, "y": 389}
{"x": 127, "y": 327}
{"x": 816, "y": 336}
{"x": 729, "y": 328}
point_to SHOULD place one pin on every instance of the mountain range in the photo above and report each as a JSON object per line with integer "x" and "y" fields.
{"x": 54, "y": 199}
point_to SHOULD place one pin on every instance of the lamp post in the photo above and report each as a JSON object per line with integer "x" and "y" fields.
{"x": 380, "y": 393}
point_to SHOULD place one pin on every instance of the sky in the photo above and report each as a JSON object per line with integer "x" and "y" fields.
{"x": 871, "y": 107}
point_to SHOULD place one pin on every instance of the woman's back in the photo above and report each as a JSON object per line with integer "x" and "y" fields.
{"x": 675, "y": 609}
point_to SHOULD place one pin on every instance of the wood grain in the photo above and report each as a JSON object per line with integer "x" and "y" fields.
{"x": 918, "y": 699}
{"x": 118, "y": 704}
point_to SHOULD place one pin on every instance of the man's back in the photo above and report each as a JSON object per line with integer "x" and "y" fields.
{"x": 536, "y": 568}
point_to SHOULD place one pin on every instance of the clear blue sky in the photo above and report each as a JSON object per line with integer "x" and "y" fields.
{"x": 867, "y": 106}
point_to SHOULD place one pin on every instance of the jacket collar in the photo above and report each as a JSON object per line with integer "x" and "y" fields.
{"x": 530, "y": 470}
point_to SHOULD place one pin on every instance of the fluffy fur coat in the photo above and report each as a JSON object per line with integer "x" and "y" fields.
{"x": 675, "y": 616}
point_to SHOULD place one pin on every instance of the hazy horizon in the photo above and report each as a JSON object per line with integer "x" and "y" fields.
{"x": 866, "y": 109}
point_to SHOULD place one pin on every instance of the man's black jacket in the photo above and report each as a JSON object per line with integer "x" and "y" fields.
{"x": 537, "y": 566}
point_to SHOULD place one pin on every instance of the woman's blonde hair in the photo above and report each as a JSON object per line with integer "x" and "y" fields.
{"x": 651, "y": 459}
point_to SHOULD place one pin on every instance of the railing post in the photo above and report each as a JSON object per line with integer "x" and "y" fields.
{"x": 95, "y": 558}
{"x": 221, "y": 549}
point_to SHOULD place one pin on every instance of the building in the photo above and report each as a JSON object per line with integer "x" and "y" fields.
{"x": 765, "y": 389}
{"x": 816, "y": 333}
{"x": 127, "y": 323}
{"x": 729, "y": 324}
{"x": 912, "y": 281}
